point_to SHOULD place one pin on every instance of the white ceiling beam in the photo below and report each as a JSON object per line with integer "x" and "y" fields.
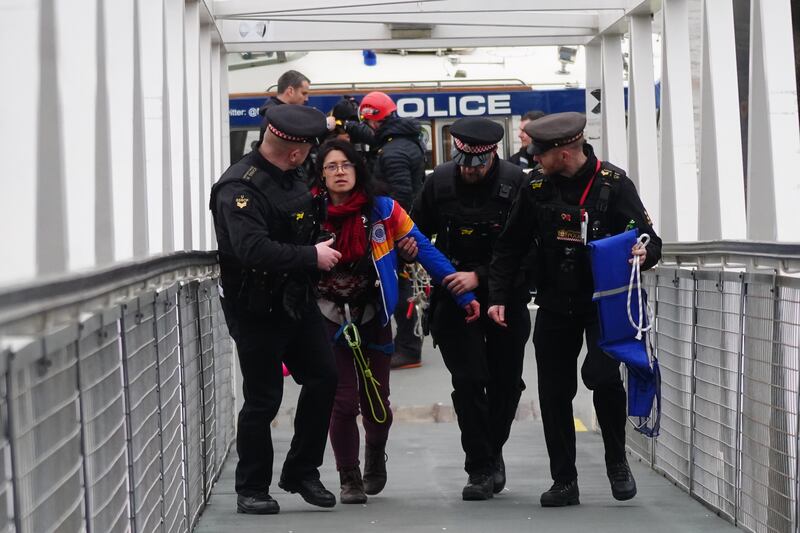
{"x": 245, "y": 32}
{"x": 407, "y": 44}
{"x": 228, "y": 8}
{"x": 507, "y": 19}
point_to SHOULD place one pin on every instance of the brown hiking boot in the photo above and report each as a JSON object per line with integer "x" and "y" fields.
{"x": 352, "y": 486}
{"x": 374, "y": 469}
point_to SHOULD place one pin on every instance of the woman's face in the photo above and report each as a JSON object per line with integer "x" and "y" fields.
{"x": 338, "y": 173}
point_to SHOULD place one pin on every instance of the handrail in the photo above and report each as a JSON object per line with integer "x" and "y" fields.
{"x": 754, "y": 255}
{"x": 76, "y": 289}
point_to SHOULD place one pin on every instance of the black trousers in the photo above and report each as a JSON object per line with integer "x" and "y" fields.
{"x": 485, "y": 363}
{"x": 558, "y": 340}
{"x": 303, "y": 345}
{"x": 405, "y": 341}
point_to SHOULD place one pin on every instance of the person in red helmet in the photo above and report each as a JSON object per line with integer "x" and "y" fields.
{"x": 396, "y": 157}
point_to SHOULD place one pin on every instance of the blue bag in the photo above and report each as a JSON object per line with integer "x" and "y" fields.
{"x": 618, "y": 336}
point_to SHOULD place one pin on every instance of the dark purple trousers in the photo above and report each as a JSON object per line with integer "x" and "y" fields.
{"x": 351, "y": 396}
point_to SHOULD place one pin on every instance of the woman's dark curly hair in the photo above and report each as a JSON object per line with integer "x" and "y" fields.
{"x": 364, "y": 180}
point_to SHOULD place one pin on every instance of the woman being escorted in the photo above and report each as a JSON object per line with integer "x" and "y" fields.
{"x": 362, "y": 291}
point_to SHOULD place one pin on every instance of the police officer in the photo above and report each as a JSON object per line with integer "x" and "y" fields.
{"x": 465, "y": 202}
{"x": 571, "y": 199}
{"x": 266, "y": 228}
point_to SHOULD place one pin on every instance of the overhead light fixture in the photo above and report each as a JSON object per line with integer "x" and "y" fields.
{"x": 411, "y": 31}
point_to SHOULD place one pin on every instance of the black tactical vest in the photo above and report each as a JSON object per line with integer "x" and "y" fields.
{"x": 292, "y": 216}
{"x": 564, "y": 262}
{"x": 465, "y": 234}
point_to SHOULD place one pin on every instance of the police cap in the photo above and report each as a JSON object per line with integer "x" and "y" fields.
{"x": 296, "y": 123}
{"x": 474, "y": 138}
{"x": 552, "y": 131}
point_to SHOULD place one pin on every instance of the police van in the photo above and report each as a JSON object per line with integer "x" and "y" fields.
{"x": 508, "y": 83}
{"x": 436, "y": 108}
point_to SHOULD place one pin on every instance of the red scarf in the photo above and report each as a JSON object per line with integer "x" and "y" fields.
{"x": 345, "y": 221}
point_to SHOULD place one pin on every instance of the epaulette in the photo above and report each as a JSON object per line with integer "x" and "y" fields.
{"x": 611, "y": 172}
{"x": 249, "y": 173}
{"x": 538, "y": 178}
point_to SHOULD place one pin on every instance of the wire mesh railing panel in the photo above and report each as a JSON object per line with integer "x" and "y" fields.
{"x": 6, "y": 486}
{"x": 769, "y": 407}
{"x": 46, "y": 434}
{"x": 206, "y": 292}
{"x": 717, "y": 362}
{"x": 142, "y": 385}
{"x": 223, "y": 381}
{"x": 103, "y": 420}
{"x": 674, "y": 326}
{"x": 111, "y": 418}
{"x": 169, "y": 365}
{"x": 193, "y": 405}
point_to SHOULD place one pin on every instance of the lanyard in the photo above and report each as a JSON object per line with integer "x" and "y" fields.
{"x": 591, "y": 182}
{"x": 584, "y": 214}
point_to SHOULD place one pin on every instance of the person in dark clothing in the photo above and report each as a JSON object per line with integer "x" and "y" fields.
{"x": 396, "y": 157}
{"x": 292, "y": 89}
{"x": 266, "y": 226}
{"x": 465, "y": 202}
{"x": 522, "y": 158}
{"x": 572, "y": 198}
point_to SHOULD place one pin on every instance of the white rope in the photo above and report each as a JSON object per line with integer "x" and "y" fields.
{"x": 636, "y": 276}
{"x": 419, "y": 295}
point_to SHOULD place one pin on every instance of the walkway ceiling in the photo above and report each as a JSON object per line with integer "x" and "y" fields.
{"x": 259, "y": 26}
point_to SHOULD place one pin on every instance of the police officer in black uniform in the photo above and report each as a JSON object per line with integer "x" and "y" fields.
{"x": 572, "y": 198}
{"x": 465, "y": 202}
{"x": 267, "y": 227}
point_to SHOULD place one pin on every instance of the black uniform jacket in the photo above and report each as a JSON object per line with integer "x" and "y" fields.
{"x": 625, "y": 209}
{"x": 256, "y": 229}
{"x": 522, "y": 159}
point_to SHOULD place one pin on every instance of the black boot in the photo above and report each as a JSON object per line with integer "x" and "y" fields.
{"x": 561, "y": 494}
{"x": 479, "y": 487}
{"x": 623, "y": 486}
{"x": 352, "y": 486}
{"x": 262, "y": 504}
{"x": 499, "y": 473}
{"x": 312, "y": 491}
{"x": 374, "y": 469}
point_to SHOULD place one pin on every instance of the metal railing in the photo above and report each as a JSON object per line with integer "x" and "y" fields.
{"x": 727, "y": 344}
{"x": 118, "y": 417}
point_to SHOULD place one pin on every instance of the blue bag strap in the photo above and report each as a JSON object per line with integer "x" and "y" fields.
{"x": 654, "y": 430}
{"x": 338, "y": 335}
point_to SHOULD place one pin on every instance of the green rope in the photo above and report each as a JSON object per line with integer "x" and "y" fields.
{"x": 353, "y": 338}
